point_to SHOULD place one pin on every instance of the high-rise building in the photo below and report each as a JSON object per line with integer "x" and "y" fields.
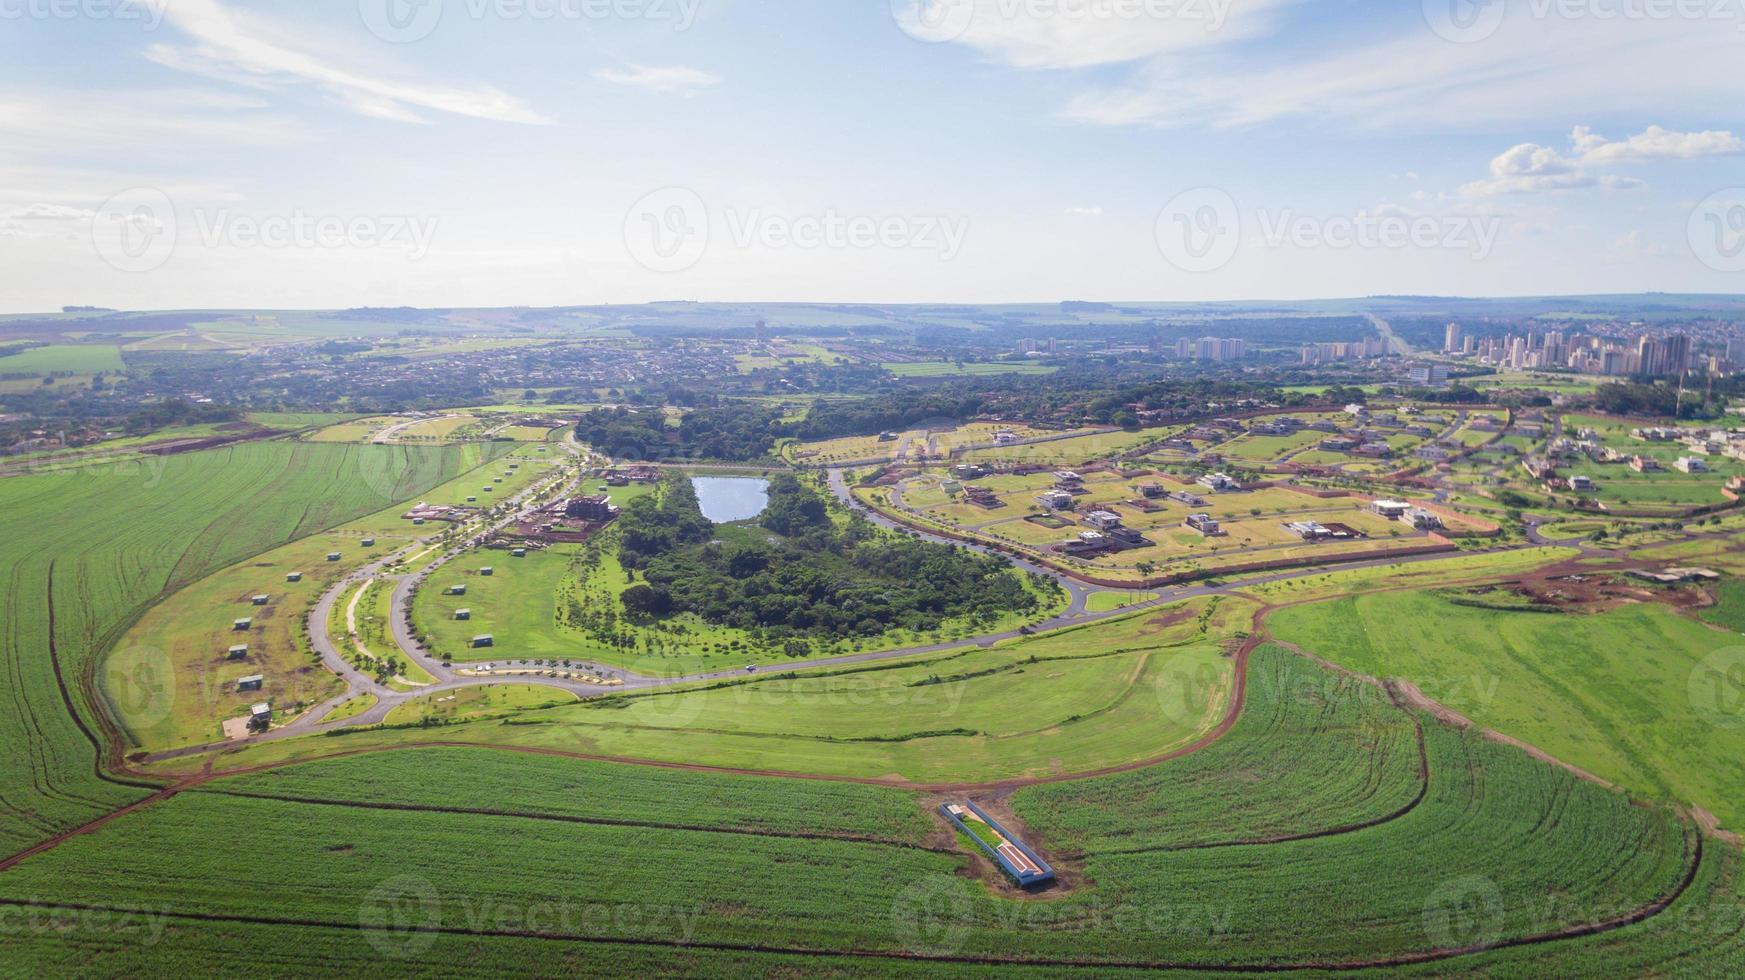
{"x": 1451, "y": 339}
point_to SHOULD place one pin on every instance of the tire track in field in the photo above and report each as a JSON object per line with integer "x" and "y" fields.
{"x": 574, "y": 819}
{"x": 1422, "y": 957}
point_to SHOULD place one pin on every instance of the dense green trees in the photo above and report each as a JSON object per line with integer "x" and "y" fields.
{"x": 814, "y": 577}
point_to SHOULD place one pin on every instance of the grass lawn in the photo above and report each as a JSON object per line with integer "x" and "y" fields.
{"x": 1083, "y": 699}
{"x": 1629, "y": 695}
{"x": 352, "y": 708}
{"x": 477, "y": 702}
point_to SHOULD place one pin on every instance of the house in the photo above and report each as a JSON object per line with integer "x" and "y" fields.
{"x": 1539, "y": 468}
{"x": 1152, "y": 491}
{"x": 241, "y": 625}
{"x": 598, "y": 509}
{"x": 1644, "y": 464}
{"x": 333, "y": 556}
{"x": 238, "y": 652}
{"x": 984, "y": 498}
{"x": 1005, "y": 437}
{"x": 1422, "y": 520}
{"x": 261, "y": 600}
{"x": 1339, "y": 444}
{"x": 487, "y": 572}
{"x": 1690, "y": 464}
{"x": 887, "y": 437}
{"x": 1069, "y": 482}
{"x": 484, "y": 640}
{"x": 518, "y": 552}
{"x": 1390, "y": 509}
{"x": 1086, "y": 543}
{"x": 369, "y": 542}
{"x": 1126, "y": 537}
{"x": 294, "y": 577}
{"x": 1307, "y": 530}
{"x": 1219, "y": 483}
{"x": 463, "y": 614}
{"x": 253, "y": 682}
{"x": 969, "y": 471}
{"x": 260, "y": 717}
{"x": 1581, "y": 484}
{"x": 1103, "y": 520}
{"x": 1055, "y": 500}
{"x": 1204, "y": 524}
{"x": 456, "y": 590}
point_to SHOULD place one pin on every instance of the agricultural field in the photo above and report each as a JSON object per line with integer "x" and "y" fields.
{"x": 77, "y": 359}
{"x": 1637, "y": 695}
{"x": 84, "y": 551}
{"x": 170, "y": 681}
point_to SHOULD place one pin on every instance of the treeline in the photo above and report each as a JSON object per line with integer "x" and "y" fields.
{"x": 1628, "y": 398}
{"x": 819, "y": 579}
{"x": 730, "y": 431}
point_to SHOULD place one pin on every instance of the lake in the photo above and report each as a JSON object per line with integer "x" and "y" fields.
{"x": 726, "y": 499}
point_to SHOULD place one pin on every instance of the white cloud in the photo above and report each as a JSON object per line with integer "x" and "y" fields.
{"x": 1085, "y": 212}
{"x": 1655, "y": 143}
{"x": 252, "y": 49}
{"x": 1531, "y": 71}
{"x": 139, "y": 121}
{"x": 675, "y": 80}
{"x": 52, "y": 212}
{"x": 1529, "y": 167}
{"x": 1083, "y": 33}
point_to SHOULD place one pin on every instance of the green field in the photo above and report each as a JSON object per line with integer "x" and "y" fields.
{"x": 88, "y": 549}
{"x": 1628, "y": 695}
{"x": 1170, "y": 873}
{"x": 78, "y": 359}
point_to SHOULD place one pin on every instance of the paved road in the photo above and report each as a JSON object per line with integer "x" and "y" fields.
{"x": 448, "y": 680}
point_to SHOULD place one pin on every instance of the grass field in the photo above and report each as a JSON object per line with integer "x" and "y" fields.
{"x": 80, "y": 359}
{"x": 1629, "y": 695}
{"x": 170, "y": 681}
{"x": 84, "y": 551}
{"x": 1168, "y": 867}
{"x": 1095, "y": 695}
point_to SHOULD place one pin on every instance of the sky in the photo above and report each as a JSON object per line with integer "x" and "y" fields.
{"x": 209, "y": 154}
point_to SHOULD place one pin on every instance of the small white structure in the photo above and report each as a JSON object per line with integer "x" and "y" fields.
{"x": 1690, "y": 464}
{"x": 1103, "y": 520}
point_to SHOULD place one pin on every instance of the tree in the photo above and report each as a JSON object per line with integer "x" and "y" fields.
{"x": 646, "y": 601}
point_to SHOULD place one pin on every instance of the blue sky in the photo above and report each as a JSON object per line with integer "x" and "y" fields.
{"x": 231, "y": 153}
